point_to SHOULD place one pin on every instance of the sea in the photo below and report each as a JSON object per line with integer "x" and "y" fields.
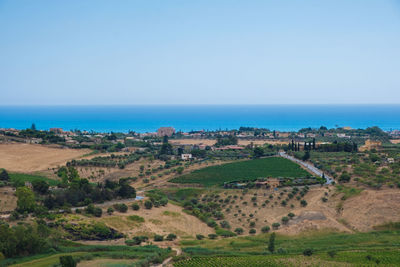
{"x": 148, "y": 118}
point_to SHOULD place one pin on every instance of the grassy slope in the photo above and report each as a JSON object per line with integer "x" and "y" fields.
{"x": 243, "y": 170}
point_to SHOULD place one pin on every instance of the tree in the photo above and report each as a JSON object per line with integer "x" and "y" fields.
{"x": 239, "y": 231}
{"x": 110, "y": 210}
{"x": 200, "y": 237}
{"x": 4, "y": 175}
{"x": 271, "y": 243}
{"x": 135, "y": 206}
{"x": 33, "y": 127}
{"x": 179, "y": 170}
{"x": 252, "y": 231}
{"x": 344, "y": 178}
{"x": 42, "y": 187}
{"x": 148, "y": 204}
{"x": 276, "y": 225}
{"x": 158, "y": 238}
{"x": 303, "y": 203}
{"x": 307, "y": 252}
{"x": 170, "y": 237}
{"x": 258, "y": 152}
{"x": 26, "y": 199}
{"x": 285, "y": 220}
{"x": 306, "y": 155}
{"x": 265, "y": 229}
{"x": 67, "y": 261}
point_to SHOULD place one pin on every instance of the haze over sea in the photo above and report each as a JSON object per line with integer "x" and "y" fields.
{"x": 198, "y": 117}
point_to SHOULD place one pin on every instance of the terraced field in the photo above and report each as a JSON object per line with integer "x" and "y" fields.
{"x": 248, "y": 170}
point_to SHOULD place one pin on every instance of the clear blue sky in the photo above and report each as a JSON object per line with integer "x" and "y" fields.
{"x": 199, "y": 52}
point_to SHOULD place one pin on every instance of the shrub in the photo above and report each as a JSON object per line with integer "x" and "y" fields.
{"x": 276, "y": 225}
{"x": 136, "y": 240}
{"x": 121, "y": 207}
{"x": 171, "y": 237}
{"x": 265, "y": 229}
{"x": 158, "y": 238}
{"x": 252, "y": 231}
{"x": 239, "y": 231}
{"x": 252, "y": 224}
{"x": 331, "y": 253}
{"x": 67, "y": 261}
{"x": 199, "y": 237}
{"x": 110, "y": 210}
{"x": 135, "y": 206}
{"x": 148, "y": 204}
{"x": 307, "y": 252}
{"x": 97, "y": 212}
{"x": 225, "y": 224}
{"x": 212, "y": 236}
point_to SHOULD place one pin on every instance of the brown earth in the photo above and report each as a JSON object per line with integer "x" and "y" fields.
{"x": 371, "y": 208}
{"x": 32, "y": 158}
{"x": 360, "y": 213}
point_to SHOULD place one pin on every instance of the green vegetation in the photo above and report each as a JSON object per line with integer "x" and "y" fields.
{"x": 360, "y": 249}
{"x": 248, "y": 170}
{"x": 136, "y": 218}
{"x": 20, "y": 179}
{"x": 254, "y": 261}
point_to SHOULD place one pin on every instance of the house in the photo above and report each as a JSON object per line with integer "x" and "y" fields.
{"x": 390, "y": 160}
{"x": 186, "y": 156}
{"x": 165, "y": 131}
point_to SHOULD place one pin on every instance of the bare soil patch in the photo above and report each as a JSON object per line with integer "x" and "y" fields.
{"x": 32, "y": 158}
{"x": 371, "y": 208}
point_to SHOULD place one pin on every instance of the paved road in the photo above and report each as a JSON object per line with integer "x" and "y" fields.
{"x": 309, "y": 166}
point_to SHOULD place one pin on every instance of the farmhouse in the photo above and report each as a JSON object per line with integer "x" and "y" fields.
{"x": 186, "y": 156}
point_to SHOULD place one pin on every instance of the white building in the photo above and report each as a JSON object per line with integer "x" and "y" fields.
{"x": 186, "y": 156}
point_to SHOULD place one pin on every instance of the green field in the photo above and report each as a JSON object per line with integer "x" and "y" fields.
{"x": 248, "y": 170}
{"x": 16, "y": 177}
{"x": 374, "y": 248}
{"x": 142, "y": 255}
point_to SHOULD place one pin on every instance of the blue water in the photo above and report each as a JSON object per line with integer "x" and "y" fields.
{"x": 186, "y": 118}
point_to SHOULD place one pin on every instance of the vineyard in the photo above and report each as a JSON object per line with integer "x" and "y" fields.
{"x": 251, "y": 261}
{"x": 249, "y": 170}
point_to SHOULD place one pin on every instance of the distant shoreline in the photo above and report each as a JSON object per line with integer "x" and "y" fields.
{"x": 148, "y": 118}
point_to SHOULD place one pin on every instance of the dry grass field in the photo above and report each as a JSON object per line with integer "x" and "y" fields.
{"x": 29, "y": 158}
